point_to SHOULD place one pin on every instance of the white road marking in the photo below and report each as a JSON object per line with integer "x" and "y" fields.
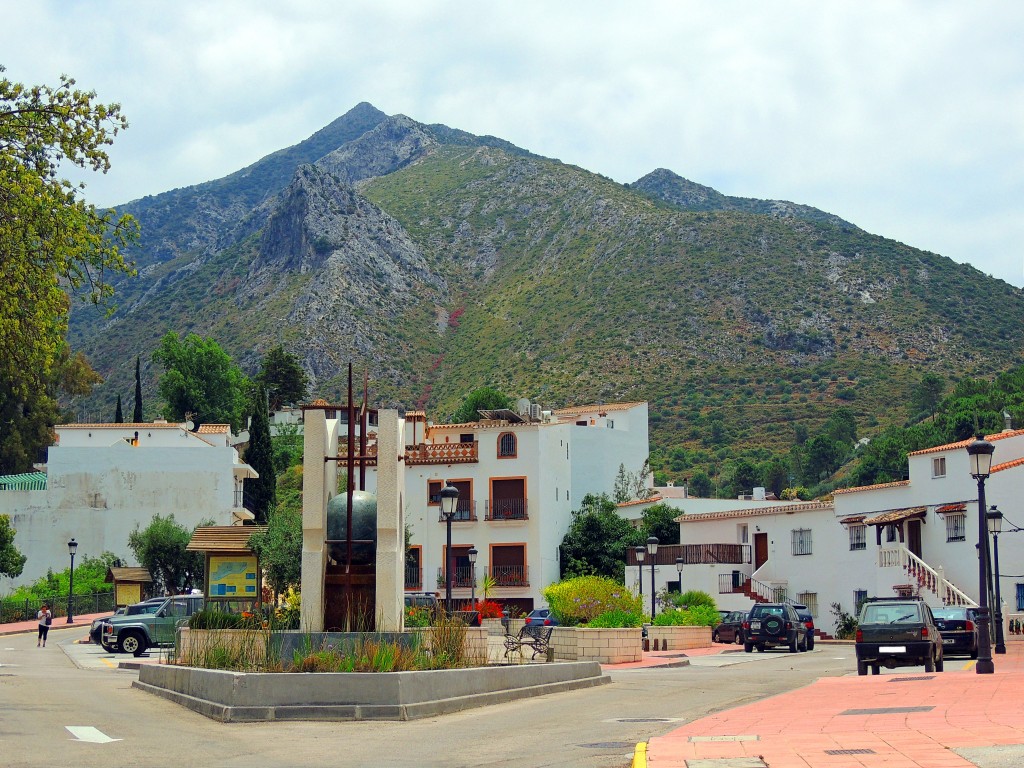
{"x": 89, "y": 734}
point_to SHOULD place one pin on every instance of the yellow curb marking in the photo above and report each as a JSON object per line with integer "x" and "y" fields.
{"x": 968, "y": 665}
{"x": 640, "y": 755}
{"x": 109, "y": 663}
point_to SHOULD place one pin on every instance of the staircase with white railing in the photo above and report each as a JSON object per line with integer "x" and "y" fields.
{"x": 924, "y": 576}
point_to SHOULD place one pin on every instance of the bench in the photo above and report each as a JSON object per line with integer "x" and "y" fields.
{"x": 530, "y": 636}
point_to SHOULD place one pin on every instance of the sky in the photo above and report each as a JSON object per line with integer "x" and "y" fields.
{"x": 905, "y": 118}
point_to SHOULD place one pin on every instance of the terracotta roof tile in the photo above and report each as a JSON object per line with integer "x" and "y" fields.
{"x": 875, "y": 487}
{"x": 634, "y": 502}
{"x": 965, "y": 443}
{"x": 125, "y": 425}
{"x": 852, "y": 519}
{"x": 957, "y": 507}
{"x": 599, "y": 407}
{"x": 781, "y": 509}
{"x": 211, "y": 429}
{"x": 895, "y": 515}
{"x": 1008, "y": 465}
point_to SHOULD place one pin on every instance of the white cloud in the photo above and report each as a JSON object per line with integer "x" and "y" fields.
{"x": 906, "y": 118}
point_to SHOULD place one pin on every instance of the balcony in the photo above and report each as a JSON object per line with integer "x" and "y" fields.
{"x": 442, "y": 453}
{"x": 465, "y": 512}
{"x": 510, "y": 575}
{"x": 507, "y": 509}
{"x": 696, "y": 554}
{"x": 461, "y": 577}
{"x": 413, "y": 577}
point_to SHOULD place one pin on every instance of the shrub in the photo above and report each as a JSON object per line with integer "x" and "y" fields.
{"x": 581, "y": 599}
{"x": 615, "y": 619}
{"x": 210, "y": 618}
{"x": 698, "y": 616}
{"x": 488, "y": 609}
{"x": 692, "y": 598}
{"x": 417, "y": 616}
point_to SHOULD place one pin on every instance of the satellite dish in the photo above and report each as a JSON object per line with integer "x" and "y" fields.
{"x": 190, "y": 425}
{"x": 523, "y": 406}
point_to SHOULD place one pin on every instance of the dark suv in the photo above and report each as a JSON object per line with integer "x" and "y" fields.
{"x": 807, "y": 619}
{"x": 897, "y": 632}
{"x": 772, "y": 624}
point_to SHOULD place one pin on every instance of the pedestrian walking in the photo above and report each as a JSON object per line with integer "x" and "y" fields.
{"x": 45, "y": 619}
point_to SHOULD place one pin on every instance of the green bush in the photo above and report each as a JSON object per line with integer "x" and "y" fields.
{"x": 210, "y": 618}
{"x": 581, "y": 599}
{"x": 692, "y": 598}
{"x": 615, "y": 620}
{"x": 698, "y": 616}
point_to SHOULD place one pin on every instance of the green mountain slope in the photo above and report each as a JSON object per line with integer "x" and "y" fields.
{"x": 442, "y": 261}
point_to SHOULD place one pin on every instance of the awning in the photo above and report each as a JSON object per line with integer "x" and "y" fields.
{"x": 127, "y": 574}
{"x": 947, "y": 508}
{"x": 896, "y": 516}
{"x": 223, "y": 538}
{"x": 852, "y": 520}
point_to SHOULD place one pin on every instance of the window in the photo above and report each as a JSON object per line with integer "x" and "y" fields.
{"x": 506, "y": 445}
{"x": 810, "y": 599}
{"x": 802, "y": 541}
{"x": 890, "y": 533}
{"x": 466, "y": 437}
{"x": 858, "y": 537}
{"x": 744, "y": 534}
{"x": 859, "y": 596}
{"x": 434, "y": 492}
{"x": 956, "y": 527}
{"x": 939, "y": 467}
{"x": 610, "y": 424}
{"x": 1020, "y": 597}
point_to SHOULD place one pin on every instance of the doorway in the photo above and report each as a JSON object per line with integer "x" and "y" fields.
{"x": 914, "y": 536}
{"x": 760, "y": 549}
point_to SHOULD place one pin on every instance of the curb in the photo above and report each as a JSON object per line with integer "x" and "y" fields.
{"x": 640, "y": 755}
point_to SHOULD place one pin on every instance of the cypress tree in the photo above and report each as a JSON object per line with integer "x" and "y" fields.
{"x": 261, "y": 492}
{"x": 137, "y": 416}
{"x": 118, "y": 416}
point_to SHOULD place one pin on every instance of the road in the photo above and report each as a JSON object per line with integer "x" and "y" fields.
{"x": 44, "y": 692}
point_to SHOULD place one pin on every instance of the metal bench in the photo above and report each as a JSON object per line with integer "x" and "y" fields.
{"x": 534, "y": 637}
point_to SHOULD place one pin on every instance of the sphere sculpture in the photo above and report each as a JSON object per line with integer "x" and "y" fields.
{"x": 364, "y": 528}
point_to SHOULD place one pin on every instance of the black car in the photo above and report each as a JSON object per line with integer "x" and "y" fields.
{"x": 730, "y": 629}
{"x": 807, "y": 618}
{"x": 773, "y": 624}
{"x": 897, "y": 632}
{"x": 959, "y": 630}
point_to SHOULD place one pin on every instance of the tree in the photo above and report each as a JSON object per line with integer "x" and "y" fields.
{"x": 700, "y": 485}
{"x": 11, "y": 560}
{"x": 200, "y": 379}
{"x": 283, "y": 377}
{"x": 52, "y": 243}
{"x": 160, "y": 547}
{"x": 486, "y": 398}
{"x": 279, "y": 548}
{"x": 259, "y": 491}
{"x": 595, "y": 544}
{"x": 660, "y": 520}
{"x": 137, "y": 413}
{"x": 118, "y": 416}
{"x": 926, "y": 396}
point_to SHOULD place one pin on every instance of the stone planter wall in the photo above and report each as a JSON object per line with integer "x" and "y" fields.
{"x": 494, "y": 626}
{"x": 606, "y": 646}
{"x": 475, "y": 646}
{"x": 194, "y": 644}
{"x": 678, "y": 638}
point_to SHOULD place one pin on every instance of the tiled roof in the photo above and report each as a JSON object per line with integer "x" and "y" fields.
{"x": 212, "y": 429}
{"x": 781, "y": 509}
{"x": 29, "y": 481}
{"x": 895, "y": 515}
{"x": 1008, "y": 465}
{"x": 852, "y": 519}
{"x": 875, "y": 487}
{"x": 223, "y": 538}
{"x": 965, "y": 443}
{"x": 599, "y": 407}
{"x": 957, "y": 507}
{"x": 634, "y": 502}
{"x": 123, "y": 425}
{"x": 128, "y": 574}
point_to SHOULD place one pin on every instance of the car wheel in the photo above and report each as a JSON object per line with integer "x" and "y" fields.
{"x": 940, "y": 663}
{"x": 875, "y": 669}
{"x": 748, "y": 647}
{"x": 803, "y": 645}
{"x": 862, "y": 667}
{"x": 715, "y": 637}
{"x": 929, "y": 664}
{"x": 794, "y": 646}
{"x": 760, "y": 647}
{"x": 133, "y": 644}
{"x": 810, "y": 643}
{"x": 738, "y": 639}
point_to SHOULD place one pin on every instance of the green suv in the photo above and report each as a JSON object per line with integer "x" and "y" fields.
{"x": 137, "y": 634}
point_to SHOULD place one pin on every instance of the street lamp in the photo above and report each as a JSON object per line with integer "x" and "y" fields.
{"x": 980, "y": 451}
{"x": 72, "y": 548}
{"x": 652, "y": 550}
{"x": 679, "y": 570}
{"x": 449, "y": 501}
{"x": 472, "y": 576}
{"x": 640, "y": 552}
{"x": 995, "y": 527}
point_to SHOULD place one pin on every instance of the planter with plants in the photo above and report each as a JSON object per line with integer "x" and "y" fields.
{"x": 599, "y": 619}
{"x": 687, "y": 622}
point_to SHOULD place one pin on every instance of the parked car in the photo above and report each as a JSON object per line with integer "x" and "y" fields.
{"x": 136, "y": 634}
{"x": 730, "y": 630}
{"x": 146, "y": 606}
{"x": 897, "y": 632}
{"x": 542, "y": 617}
{"x": 773, "y": 624}
{"x": 808, "y": 621}
{"x": 959, "y": 630}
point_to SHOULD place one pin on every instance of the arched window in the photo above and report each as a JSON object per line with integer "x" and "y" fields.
{"x": 506, "y": 445}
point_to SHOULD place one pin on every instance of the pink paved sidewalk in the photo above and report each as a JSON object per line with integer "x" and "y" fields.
{"x": 59, "y": 622}
{"x": 800, "y": 728}
{"x": 673, "y": 658}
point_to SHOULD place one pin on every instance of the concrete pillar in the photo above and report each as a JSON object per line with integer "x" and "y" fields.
{"x": 319, "y": 483}
{"x": 390, "y": 563}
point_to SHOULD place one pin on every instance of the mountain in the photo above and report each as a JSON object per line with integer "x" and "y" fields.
{"x": 442, "y": 261}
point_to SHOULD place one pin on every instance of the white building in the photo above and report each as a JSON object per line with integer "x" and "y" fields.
{"x": 918, "y": 535}
{"x": 104, "y": 479}
{"x": 519, "y": 479}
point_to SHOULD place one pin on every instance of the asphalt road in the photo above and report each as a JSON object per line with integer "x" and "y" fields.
{"x": 68, "y": 704}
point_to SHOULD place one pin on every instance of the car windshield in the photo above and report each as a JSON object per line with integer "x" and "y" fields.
{"x": 950, "y": 613}
{"x": 890, "y": 613}
{"x": 767, "y": 610}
